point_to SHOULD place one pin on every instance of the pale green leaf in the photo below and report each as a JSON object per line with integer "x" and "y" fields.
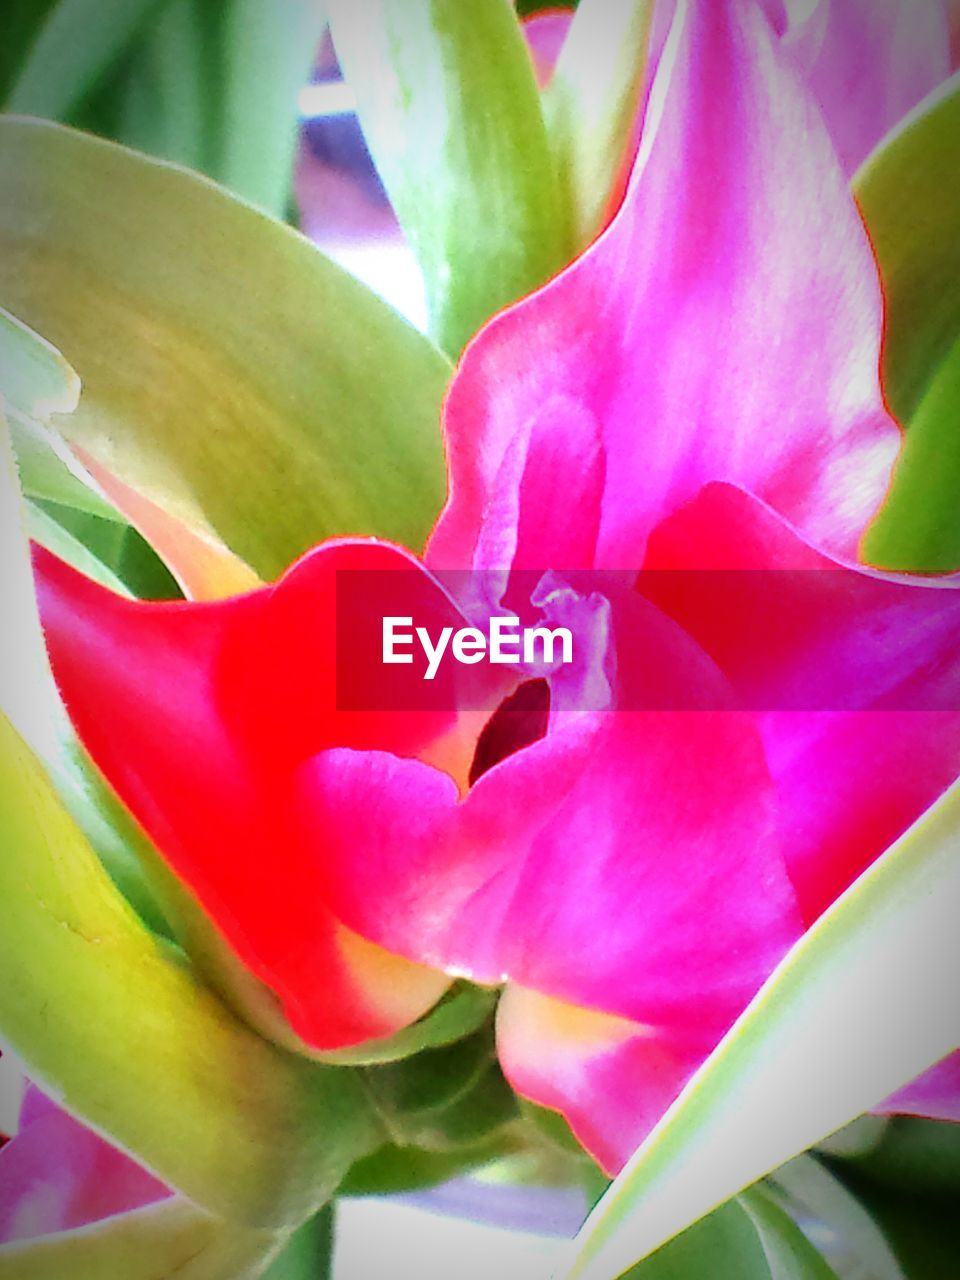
{"x": 910, "y": 199}
{"x": 35, "y": 380}
{"x": 863, "y": 1003}
{"x": 591, "y": 105}
{"x": 451, "y": 112}
{"x": 233, "y": 377}
{"x": 112, "y": 1023}
{"x": 36, "y": 383}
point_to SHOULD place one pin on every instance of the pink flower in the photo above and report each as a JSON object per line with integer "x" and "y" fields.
{"x": 698, "y": 392}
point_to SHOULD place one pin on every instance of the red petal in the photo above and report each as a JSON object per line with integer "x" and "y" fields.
{"x": 197, "y": 715}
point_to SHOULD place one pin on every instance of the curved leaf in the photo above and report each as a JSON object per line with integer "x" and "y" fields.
{"x": 113, "y": 1024}
{"x": 233, "y": 378}
{"x": 451, "y": 112}
{"x": 912, "y": 211}
{"x": 861, "y": 1005}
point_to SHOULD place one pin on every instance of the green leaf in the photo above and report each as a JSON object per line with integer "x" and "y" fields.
{"x": 120, "y": 548}
{"x": 864, "y": 1003}
{"x": 233, "y": 377}
{"x": 462, "y": 1010}
{"x": 22, "y": 20}
{"x": 923, "y": 1232}
{"x": 591, "y": 105}
{"x": 916, "y": 1155}
{"x": 912, "y": 211}
{"x": 77, "y": 43}
{"x": 451, "y": 113}
{"x": 309, "y": 1253}
{"x": 173, "y": 1238}
{"x": 745, "y": 1239}
{"x": 918, "y": 526}
{"x": 394, "y": 1169}
{"x": 109, "y": 1020}
{"x": 161, "y": 92}
{"x": 43, "y": 529}
{"x": 268, "y": 51}
{"x": 433, "y": 1079}
{"x": 817, "y": 1193}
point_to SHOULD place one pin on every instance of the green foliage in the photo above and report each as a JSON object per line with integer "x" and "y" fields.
{"x": 232, "y": 375}
{"x": 451, "y": 113}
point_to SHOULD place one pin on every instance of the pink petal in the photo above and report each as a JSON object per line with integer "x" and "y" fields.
{"x": 855, "y": 675}
{"x": 726, "y": 326}
{"x": 867, "y": 63}
{"x": 57, "y": 1175}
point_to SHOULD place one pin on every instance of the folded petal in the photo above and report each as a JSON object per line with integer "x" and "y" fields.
{"x": 197, "y": 715}
{"x": 57, "y": 1175}
{"x": 726, "y": 326}
{"x": 854, "y": 676}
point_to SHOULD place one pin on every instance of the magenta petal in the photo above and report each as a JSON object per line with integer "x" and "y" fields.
{"x": 726, "y": 326}
{"x": 884, "y": 653}
{"x": 935, "y": 1094}
{"x": 867, "y": 63}
{"x": 56, "y": 1175}
{"x": 626, "y": 862}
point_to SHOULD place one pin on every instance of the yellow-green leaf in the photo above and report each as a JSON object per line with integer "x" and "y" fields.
{"x": 910, "y": 198}
{"x": 234, "y": 379}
